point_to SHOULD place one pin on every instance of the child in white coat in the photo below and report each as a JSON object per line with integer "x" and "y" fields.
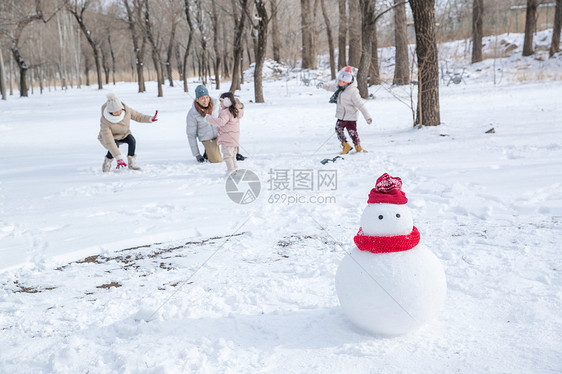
{"x": 348, "y": 102}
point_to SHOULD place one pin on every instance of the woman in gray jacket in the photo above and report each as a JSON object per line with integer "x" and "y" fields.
{"x": 198, "y": 128}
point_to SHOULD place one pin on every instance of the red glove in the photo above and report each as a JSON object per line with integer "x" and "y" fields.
{"x": 121, "y": 163}
{"x": 154, "y": 119}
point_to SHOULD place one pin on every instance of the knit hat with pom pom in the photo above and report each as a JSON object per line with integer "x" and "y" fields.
{"x": 113, "y": 104}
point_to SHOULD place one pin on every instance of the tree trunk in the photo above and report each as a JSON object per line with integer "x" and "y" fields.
{"x": 23, "y": 71}
{"x": 309, "y": 59}
{"x": 555, "y": 44}
{"x": 147, "y": 29}
{"x": 261, "y": 48}
{"x": 477, "y": 33}
{"x": 86, "y": 72}
{"x": 21, "y": 24}
{"x": 11, "y": 81}
{"x": 2, "y": 77}
{"x": 330, "y": 40}
{"x": 342, "y": 34}
{"x": 227, "y": 60}
{"x": 189, "y": 42}
{"x": 530, "y": 26}
{"x": 170, "y": 53}
{"x": 427, "y": 113}
{"x": 217, "y": 62}
{"x": 275, "y": 38}
{"x": 374, "y": 72}
{"x": 105, "y": 65}
{"x": 93, "y": 44}
{"x": 401, "y": 67}
{"x": 112, "y": 54}
{"x": 97, "y": 62}
{"x": 40, "y": 79}
{"x": 179, "y": 60}
{"x": 355, "y": 33}
{"x": 367, "y": 9}
{"x": 138, "y": 47}
{"x": 237, "y": 50}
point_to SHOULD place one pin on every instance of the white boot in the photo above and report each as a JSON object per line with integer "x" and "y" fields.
{"x": 106, "y": 164}
{"x": 132, "y": 164}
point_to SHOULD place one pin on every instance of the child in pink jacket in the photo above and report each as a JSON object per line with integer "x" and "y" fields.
{"x": 228, "y": 126}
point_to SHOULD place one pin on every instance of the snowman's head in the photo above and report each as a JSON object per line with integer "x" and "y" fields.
{"x": 386, "y": 220}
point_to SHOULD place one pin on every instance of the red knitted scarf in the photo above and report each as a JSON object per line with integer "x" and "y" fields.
{"x": 386, "y": 244}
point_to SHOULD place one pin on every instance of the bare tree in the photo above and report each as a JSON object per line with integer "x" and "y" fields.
{"x": 330, "y": 40}
{"x": 374, "y": 70}
{"x": 227, "y": 60}
{"x": 427, "y": 113}
{"x": 401, "y": 67}
{"x": 530, "y": 26}
{"x": 275, "y": 38}
{"x": 239, "y": 8}
{"x": 555, "y": 44}
{"x": 148, "y": 30}
{"x": 309, "y": 58}
{"x": 112, "y": 54}
{"x": 354, "y": 25}
{"x": 342, "y": 34}
{"x": 78, "y": 9}
{"x": 170, "y": 48}
{"x": 368, "y": 28}
{"x": 203, "y": 68}
{"x": 261, "y": 27}
{"x": 2, "y": 77}
{"x": 138, "y": 42}
{"x": 26, "y": 18}
{"x": 477, "y": 33}
{"x": 189, "y": 42}
{"x": 105, "y": 63}
{"x": 217, "y": 62}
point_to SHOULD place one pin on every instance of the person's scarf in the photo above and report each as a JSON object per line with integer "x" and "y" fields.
{"x": 204, "y": 110}
{"x": 334, "y": 98}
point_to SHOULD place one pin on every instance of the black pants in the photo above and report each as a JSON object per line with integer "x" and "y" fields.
{"x": 130, "y": 140}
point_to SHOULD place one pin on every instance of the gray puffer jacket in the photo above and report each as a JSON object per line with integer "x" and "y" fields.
{"x": 198, "y": 128}
{"x": 349, "y": 102}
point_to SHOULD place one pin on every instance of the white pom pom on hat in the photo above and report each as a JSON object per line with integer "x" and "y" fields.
{"x": 113, "y": 103}
{"x": 226, "y": 102}
{"x": 346, "y": 74}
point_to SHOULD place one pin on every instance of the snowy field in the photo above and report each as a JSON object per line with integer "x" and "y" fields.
{"x": 160, "y": 272}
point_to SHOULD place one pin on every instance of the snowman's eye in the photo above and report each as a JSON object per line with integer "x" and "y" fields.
{"x": 381, "y": 217}
{"x": 397, "y": 215}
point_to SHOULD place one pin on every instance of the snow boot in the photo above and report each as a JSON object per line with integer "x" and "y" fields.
{"x": 358, "y": 148}
{"x": 346, "y": 148}
{"x": 106, "y": 164}
{"x": 132, "y": 164}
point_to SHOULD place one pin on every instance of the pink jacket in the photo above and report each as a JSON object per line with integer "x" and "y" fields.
{"x": 228, "y": 127}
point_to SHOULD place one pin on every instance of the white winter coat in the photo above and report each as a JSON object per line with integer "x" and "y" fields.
{"x": 349, "y": 102}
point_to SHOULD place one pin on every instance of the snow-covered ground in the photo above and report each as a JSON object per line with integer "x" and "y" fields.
{"x": 160, "y": 272}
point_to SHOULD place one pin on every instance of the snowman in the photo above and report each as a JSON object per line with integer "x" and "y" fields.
{"x": 389, "y": 284}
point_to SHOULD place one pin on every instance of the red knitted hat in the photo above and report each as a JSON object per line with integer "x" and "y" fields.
{"x": 387, "y": 190}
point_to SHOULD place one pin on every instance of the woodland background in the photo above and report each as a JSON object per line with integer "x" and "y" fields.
{"x": 70, "y": 43}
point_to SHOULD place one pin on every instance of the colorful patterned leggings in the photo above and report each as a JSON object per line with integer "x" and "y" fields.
{"x": 351, "y": 127}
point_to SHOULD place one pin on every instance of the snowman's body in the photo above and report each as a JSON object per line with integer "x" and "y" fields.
{"x": 390, "y": 293}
